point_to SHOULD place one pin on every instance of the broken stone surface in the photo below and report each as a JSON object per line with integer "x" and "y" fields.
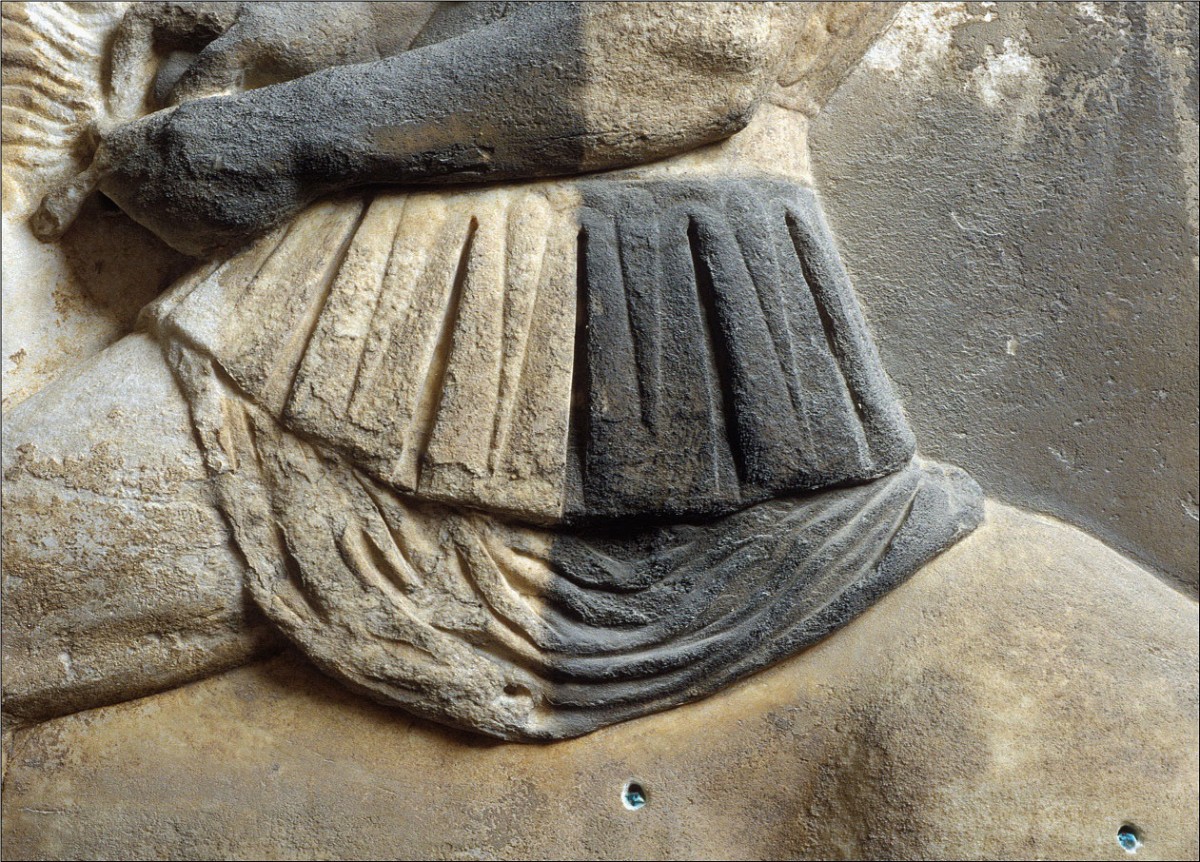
{"x": 997, "y": 705}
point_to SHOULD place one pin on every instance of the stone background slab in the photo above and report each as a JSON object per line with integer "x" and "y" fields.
{"x": 1014, "y": 190}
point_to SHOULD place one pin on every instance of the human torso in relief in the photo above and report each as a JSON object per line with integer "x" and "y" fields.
{"x": 522, "y": 361}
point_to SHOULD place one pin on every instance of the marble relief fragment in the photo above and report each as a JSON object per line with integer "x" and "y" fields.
{"x": 511, "y": 376}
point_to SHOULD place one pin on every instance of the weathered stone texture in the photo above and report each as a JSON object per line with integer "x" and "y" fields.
{"x": 995, "y": 706}
{"x": 334, "y": 416}
{"x": 1014, "y": 189}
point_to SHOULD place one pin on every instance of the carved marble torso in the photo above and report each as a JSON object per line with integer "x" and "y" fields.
{"x": 642, "y": 353}
{"x": 533, "y": 458}
{"x": 529, "y": 447}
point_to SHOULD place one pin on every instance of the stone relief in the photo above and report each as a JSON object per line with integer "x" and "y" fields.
{"x": 517, "y": 381}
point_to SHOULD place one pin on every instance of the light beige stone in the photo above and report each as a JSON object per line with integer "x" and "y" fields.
{"x": 883, "y": 148}
{"x": 1023, "y": 697}
{"x": 119, "y": 576}
{"x": 66, "y": 302}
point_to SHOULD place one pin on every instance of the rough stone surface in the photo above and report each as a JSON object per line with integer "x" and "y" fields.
{"x": 1014, "y": 190}
{"x": 726, "y": 359}
{"x": 440, "y": 343}
{"x": 944, "y": 120}
{"x": 63, "y": 303}
{"x": 1027, "y": 694}
{"x": 539, "y": 89}
{"x": 956, "y": 719}
{"x": 119, "y": 576}
{"x": 560, "y": 351}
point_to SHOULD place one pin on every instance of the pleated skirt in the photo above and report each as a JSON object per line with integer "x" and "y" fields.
{"x": 569, "y": 351}
{"x": 531, "y": 461}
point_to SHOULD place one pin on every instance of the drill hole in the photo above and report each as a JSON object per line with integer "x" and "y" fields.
{"x": 634, "y": 796}
{"x": 1129, "y": 838}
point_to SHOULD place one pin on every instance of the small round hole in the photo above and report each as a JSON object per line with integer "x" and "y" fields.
{"x": 1129, "y": 838}
{"x": 634, "y": 796}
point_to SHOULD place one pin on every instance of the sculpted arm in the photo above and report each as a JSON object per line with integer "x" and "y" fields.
{"x": 555, "y": 89}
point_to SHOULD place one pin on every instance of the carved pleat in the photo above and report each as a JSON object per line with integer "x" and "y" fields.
{"x": 433, "y": 338}
{"x": 54, "y": 57}
{"x": 727, "y": 359}
{"x": 428, "y": 337}
{"x": 669, "y": 377}
{"x": 523, "y": 632}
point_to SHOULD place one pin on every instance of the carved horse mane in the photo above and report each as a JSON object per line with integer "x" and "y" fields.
{"x": 53, "y": 73}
